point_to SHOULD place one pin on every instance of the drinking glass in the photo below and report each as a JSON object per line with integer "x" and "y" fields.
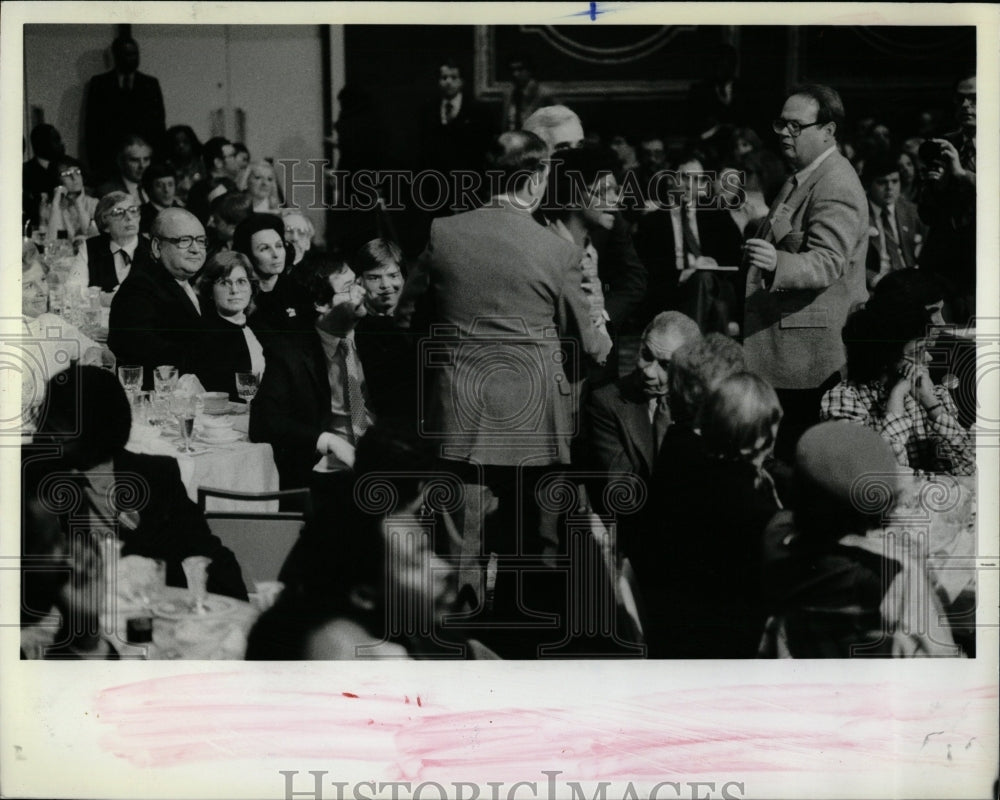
{"x": 165, "y": 378}
{"x": 196, "y": 572}
{"x": 183, "y": 408}
{"x": 140, "y": 408}
{"x": 157, "y": 411}
{"x": 131, "y": 378}
{"x": 108, "y": 361}
{"x": 91, "y": 319}
{"x": 247, "y": 384}
{"x": 56, "y": 301}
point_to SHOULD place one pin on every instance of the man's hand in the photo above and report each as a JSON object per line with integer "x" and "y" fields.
{"x": 329, "y": 444}
{"x": 761, "y": 254}
{"x": 950, "y": 163}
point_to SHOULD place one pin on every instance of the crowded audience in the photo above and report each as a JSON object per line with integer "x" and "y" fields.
{"x": 742, "y": 325}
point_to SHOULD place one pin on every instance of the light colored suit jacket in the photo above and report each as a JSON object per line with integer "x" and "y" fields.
{"x": 510, "y": 331}
{"x": 793, "y": 317}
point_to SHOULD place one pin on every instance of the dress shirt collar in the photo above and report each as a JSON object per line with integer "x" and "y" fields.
{"x": 806, "y": 171}
{"x": 331, "y": 342}
{"x": 128, "y": 247}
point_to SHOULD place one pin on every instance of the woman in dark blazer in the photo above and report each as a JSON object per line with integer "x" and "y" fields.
{"x": 281, "y": 304}
{"x": 228, "y": 345}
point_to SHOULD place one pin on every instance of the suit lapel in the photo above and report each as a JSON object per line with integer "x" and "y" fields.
{"x": 635, "y": 419}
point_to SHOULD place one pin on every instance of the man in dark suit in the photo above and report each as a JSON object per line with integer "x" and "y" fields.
{"x": 312, "y": 403}
{"x": 121, "y": 103}
{"x": 46, "y": 144}
{"x": 132, "y": 162}
{"x": 140, "y": 499}
{"x": 504, "y": 293}
{"x": 806, "y": 267}
{"x": 681, "y": 243}
{"x": 386, "y": 352}
{"x": 220, "y": 164}
{"x": 455, "y": 129}
{"x": 948, "y": 205}
{"x": 625, "y": 421}
{"x": 156, "y": 314}
{"x": 894, "y": 229}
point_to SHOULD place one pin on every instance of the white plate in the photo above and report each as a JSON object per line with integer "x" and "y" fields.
{"x": 222, "y": 436}
{"x": 183, "y": 609}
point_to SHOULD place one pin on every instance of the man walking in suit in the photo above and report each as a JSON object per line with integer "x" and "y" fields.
{"x": 503, "y": 294}
{"x": 156, "y": 314}
{"x": 895, "y": 232}
{"x": 806, "y": 266}
{"x": 121, "y": 103}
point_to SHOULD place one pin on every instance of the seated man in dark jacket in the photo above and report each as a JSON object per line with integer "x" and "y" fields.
{"x": 94, "y": 480}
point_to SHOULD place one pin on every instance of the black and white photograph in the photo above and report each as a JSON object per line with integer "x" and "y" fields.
{"x": 645, "y": 351}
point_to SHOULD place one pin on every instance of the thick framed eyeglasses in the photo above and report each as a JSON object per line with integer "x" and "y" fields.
{"x": 121, "y": 213}
{"x": 184, "y": 242}
{"x": 794, "y": 127}
{"x": 72, "y": 172}
{"x": 228, "y": 283}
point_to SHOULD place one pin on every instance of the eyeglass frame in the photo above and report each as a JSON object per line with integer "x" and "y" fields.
{"x": 229, "y": 283}
{"x": 120, "y": 213}
{"x": 71, "y": 172}
{"x": 778, "y": 126}
{"x": 202, "y": 241}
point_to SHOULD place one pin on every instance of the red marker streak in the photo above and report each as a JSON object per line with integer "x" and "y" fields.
{"x": 731, "y": 730}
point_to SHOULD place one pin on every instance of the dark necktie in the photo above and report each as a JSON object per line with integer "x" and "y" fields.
{"x": 690, "y": 240}
{"x": 355, "y": 397}
{"x": 449, "y": 111}
{"x": 126, "y": 258}
{"x": 967, "y": 154}
{"x": 786, "y": 190}
{"x": 661, "y": 421}
{"x": 891, "y": 243}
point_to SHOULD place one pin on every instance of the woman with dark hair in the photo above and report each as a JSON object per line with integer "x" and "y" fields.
{"x": 367, "y": 584}
{"x": 183, "y": 152}
{"x": 160, "y": 183}
{"x": 581, "y": 196}
{"x": 889, "y": 389}
{"x": 282, "y": 304}
{"x": 73, "y": 210}
{"x": 228, "y": 344}
{"x": 138, "y": 499}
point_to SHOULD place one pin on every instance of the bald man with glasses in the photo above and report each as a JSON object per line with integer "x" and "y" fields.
{"x": 156, "y": 316}
{"x": 806, "y": 265}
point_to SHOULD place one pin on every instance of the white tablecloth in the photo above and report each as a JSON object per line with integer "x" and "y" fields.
{"x": 240, "y": 466}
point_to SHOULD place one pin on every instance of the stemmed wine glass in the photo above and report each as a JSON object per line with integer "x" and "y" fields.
{"x": 247, "y": 384}
{"x": 183, "y": 408}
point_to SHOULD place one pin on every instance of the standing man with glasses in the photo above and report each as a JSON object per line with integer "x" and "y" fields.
{"x": 806, "y": 266}
{"x": 156, "y": 315}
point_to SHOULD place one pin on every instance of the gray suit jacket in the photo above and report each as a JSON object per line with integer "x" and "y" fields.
{"x": 502, "y": 298}
{"x": 793, "y": 317}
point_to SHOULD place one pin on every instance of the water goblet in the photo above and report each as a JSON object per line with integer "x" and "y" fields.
{"x": 247, "y": 384}
{"x": 196, "y": 572}
{"x": 183, "y": 409}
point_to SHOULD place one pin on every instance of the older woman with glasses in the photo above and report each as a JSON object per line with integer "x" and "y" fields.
{"x": 73, "y": 209}
{"x": 108, "y": 259}
{"x": 228, "y": 344}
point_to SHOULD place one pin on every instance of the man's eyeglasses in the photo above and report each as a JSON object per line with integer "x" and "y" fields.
{"x": 72, "y": 172}
{"x": 794, "y": 127}
{"x": 296, "y": 232}
{"x": 184, "y": 242}
{"x": 121, "y": 213}
{"x": 228, "y": 283}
